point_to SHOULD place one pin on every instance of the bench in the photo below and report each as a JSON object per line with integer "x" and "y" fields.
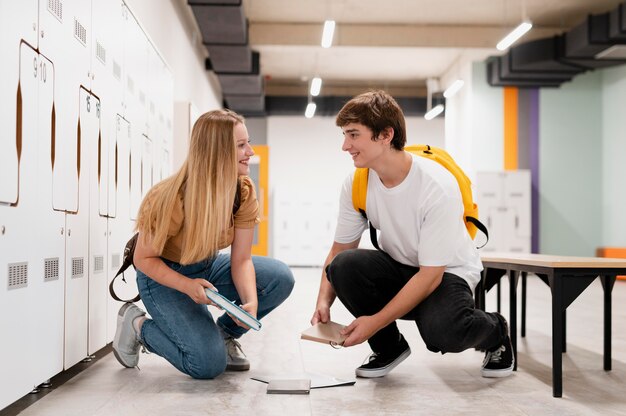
{"x": 567, "y": 277}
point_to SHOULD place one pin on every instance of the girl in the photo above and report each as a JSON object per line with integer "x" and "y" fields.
{"x": 183, "y": 221}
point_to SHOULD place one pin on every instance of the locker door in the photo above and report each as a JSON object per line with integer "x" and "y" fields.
{"x": 500, "y": 222}
{"x": 488, "y": 192}
{"x": 97, "y": 224}
{"x": 48, "y": 283}
{"x": 17, "y": 259}
{"x": 284, "y": 237}
{"x": 65, "y": 40}
{"x": 517, "y": 195}
{"x": 106, "y": 58}
{"x": 18, "y": 22}
{"x": 79, "y": 264}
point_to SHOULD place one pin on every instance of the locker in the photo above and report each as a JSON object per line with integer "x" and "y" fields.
{"x": 96, "y": 224}
{"x": 107, "y": 65}
{"x": 48, "y": 297}
{"x": 18, "y": 23}
{"x": 79, "y": 263}
{"x": 31, "y": 267}
{"x": 503, "y": 200}
{"x": 65, "y": 39}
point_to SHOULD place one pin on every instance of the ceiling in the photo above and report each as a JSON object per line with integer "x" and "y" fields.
{"x": 395, "y": 44}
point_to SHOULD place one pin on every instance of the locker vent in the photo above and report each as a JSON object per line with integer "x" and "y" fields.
{"x": 115, "y": 261}
{"x": 117, "y": 70}
{"x": 56, "y": 8}
{"x": 78, "y": 269}
{"x": 51, "y": 269}
{"x": 131, "y": 85}
{"x": 169, "y": 124}
{"x": 101, "y": 53}
{"x": 142, "y": 97}
{"x": 80, "y": 33}
{"x": 18, "y": 275}
{"x": 98, "y": 264}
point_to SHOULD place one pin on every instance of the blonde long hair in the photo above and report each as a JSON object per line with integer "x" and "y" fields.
{"x": 207, "y": 180}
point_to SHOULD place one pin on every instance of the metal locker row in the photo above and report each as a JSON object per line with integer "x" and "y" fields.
{"x": 77, "y": 158}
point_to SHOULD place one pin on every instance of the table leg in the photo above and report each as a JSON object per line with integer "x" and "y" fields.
{"x": 524, "y": 304}
{"x": 607, "y": 285}
{"x": 557, "y": 338}
{"x": 564, "y": 342}
{"x": 513, "y": 276}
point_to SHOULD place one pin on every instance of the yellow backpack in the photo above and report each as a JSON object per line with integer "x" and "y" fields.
{"x": 470, "y": 214}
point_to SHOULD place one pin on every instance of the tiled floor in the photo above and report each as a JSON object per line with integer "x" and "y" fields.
{"x": 424, "y": 384}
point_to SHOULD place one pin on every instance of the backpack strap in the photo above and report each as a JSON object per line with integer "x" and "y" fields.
{"x": 480, "y": 226}
{"x": 359, "y": 197}
{"x": 129, "y": 252}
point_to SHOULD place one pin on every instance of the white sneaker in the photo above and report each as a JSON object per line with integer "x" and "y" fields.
{"x": 126, "y": 342}
{"x": 236, "y": 360}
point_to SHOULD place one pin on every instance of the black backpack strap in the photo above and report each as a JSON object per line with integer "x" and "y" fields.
{"x": 480, "y": 226}
{"x": 373, "y": 235}
{"x": 129, "y": 252}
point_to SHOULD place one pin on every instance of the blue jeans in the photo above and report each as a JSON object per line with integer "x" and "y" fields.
{"x": 184, "y": 332}
{"x": 366, "y": 280}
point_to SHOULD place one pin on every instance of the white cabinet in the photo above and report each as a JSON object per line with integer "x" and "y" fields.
{"x": 503, "y": 200}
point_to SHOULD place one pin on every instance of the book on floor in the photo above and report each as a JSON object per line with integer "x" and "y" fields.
{"x": 328, "y": 333}
{"x": 289, "y": 386}
{"x": 317, "y": 380}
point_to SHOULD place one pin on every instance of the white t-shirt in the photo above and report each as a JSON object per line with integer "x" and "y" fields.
{"x": 420, "y": 221}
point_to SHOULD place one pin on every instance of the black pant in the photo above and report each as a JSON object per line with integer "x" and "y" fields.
{"x": 366, "y": 280}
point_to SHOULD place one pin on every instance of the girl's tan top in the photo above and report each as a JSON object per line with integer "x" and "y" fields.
{"x": 247, "y": 216}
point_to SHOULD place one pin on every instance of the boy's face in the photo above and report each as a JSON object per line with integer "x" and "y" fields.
{"x": 357, "y": 140}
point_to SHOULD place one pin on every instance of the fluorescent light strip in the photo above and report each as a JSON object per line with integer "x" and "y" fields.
{"x": 327, "y": 35}
{"x": 434, "y": 112}
{"x": 512, "y": 37}
{"x": 316, "y": 86}
{"x": 453, "y": 88}
{"x": 310, "y": 110}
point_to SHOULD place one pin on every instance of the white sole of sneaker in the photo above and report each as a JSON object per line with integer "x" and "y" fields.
{"x": 505, "y": 372}
{"x": 381, "y": 372}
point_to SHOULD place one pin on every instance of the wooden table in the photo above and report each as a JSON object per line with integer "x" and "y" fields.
{"x": 567, "y": 277}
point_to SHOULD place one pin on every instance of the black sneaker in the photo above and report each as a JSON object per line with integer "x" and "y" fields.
{"x": 499, "y": 363}
{"x": 379, "y": 365}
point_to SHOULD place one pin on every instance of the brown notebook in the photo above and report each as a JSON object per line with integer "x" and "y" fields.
{"x": 325, "y": 333}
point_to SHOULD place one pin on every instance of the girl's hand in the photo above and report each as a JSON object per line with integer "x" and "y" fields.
{"x": 251, "y": 308}
{"x": 194, "y": 288}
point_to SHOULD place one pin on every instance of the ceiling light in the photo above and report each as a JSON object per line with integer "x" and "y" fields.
{"x": 327, "y": 35}
{"x": 310, "y": 110}
{"x": 453, "y": 88}
{"x": 434, "y": 112}
{"x": 316, "y": 86}
{"x": 512, "y": 37}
